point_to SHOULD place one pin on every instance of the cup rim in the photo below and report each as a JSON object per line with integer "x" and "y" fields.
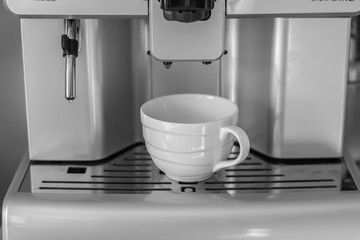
{"x": 203, "y": 128}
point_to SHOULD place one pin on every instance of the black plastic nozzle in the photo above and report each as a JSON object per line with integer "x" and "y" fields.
{"x": 187, "y": 11}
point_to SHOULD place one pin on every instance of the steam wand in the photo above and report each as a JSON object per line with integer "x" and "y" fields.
{"x": 70, "y": 46}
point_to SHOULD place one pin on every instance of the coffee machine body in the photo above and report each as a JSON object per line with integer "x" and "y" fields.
{"x": 288, "y": 75}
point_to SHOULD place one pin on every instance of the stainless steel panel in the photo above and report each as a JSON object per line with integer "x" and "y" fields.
{"x": 246, "y": 75}
{"x": 354, "y": 50}
{"x": 78, "y": 8}
{"x": 100, "y": 121}
{"x": 141, "y": 71}
{"x": 289, "y": 80}
{"x": 293, "y": 8}
{"x": 352, "y": 127}
{"x": 185, "y": 77}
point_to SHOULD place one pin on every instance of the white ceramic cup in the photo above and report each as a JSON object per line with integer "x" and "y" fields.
{"x": 189, "y": 136}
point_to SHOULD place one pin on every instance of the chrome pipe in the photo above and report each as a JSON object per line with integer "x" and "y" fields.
{"x": 70, "y": 77}
{"x": 70, "y": 46}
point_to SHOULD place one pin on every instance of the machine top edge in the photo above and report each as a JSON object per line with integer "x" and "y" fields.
{"x": 139, "y": 8}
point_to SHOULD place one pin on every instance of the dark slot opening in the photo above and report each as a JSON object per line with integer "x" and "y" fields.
{"x": 188, "y": 183}
{"x": 76, "y": 170}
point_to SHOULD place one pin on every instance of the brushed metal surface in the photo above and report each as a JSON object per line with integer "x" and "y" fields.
{"x": 142, "y": 70}
{"x": 101, "y": 119}
{"x": 352, "y": 127}
{"x": 78, "y": 8}
{"x": 289, "y": 80}
{"x": 185, "y": 77}
{"x": 294, "y": 8}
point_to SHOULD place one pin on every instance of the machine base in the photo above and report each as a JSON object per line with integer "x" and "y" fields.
{"x": 127, "y": 197}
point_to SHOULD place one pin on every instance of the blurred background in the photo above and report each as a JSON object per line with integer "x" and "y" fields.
{"x": 13, "y": 139}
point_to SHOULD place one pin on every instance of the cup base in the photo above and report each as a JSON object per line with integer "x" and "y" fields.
{"x": 190, "y": 178}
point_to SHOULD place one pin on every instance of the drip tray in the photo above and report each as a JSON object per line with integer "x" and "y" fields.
{"x": 133, "y": 172}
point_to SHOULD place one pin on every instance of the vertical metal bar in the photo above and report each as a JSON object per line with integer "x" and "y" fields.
{"x": 71, "y": 30}
{"x": 70, "y": 77}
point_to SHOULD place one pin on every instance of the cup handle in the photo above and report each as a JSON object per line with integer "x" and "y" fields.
{"x": 244, "y": 143}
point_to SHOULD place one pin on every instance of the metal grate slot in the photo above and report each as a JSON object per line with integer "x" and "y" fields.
{"x": 76, "y": 170}
{"x": 131, "y": 165}
{"x": 255, "y": 175}
{"x": 104, "y": 176}
{"x": 106, "y": 183}
{"x": 106, "y": 190}
{"x": 137, "y": 159}
{"x": 188, "y": 183}
{"x": 134, "y": 173}
{"x": 126, "y": 170}
{"x": 250, "y": 164}
{"x": 271, "y": 181}
{"x": 141, "y": 153}
{"x": 268, "y": 188}
{"x": 233, "y": 158}
{"x": 249, "y": 170}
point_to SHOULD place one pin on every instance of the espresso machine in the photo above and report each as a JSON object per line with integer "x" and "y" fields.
{"x": 90, "y": 65}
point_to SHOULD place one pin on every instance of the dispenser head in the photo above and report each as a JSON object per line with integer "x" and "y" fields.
{"x": 187, "y": 11}
{"x": 187, "y": 30}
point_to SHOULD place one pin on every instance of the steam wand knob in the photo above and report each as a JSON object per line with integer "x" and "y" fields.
{"x": 70, "y": 47}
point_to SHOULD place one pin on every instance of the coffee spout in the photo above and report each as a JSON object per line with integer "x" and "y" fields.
{"x": 167, "y": 64}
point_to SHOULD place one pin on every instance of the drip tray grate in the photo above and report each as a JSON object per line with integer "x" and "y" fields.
{"x": 134, "y": 172}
